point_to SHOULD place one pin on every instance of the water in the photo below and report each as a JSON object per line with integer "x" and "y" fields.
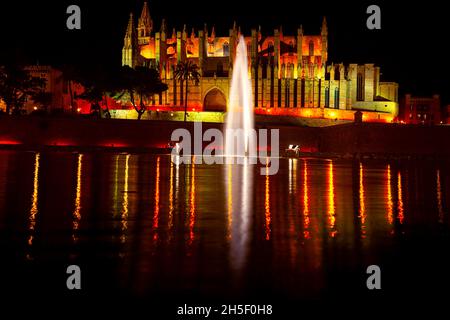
{"x": 142, "y": 227}
{"x": 240, "y": 106}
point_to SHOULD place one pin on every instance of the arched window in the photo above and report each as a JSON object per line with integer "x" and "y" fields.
{"x": 327, "y": 97}
{"x": 226, "y": 49}
{"x": 311, "y": 48}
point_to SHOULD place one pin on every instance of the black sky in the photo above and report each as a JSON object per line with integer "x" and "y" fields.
{"x": 411, "y": 48}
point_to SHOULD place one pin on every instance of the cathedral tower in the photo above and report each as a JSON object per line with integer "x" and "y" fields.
{"x": 129, "y": 51}
{"x": 324, "y": 35}
{"x": 145, "y": 26}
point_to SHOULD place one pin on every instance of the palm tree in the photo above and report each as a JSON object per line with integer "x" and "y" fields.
{"x": 184, "y": 72}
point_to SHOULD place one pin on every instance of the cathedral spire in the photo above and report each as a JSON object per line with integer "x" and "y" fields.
{"x": 324, "y": 29}
{"x": 184, "y": 33}
{"x": 145, "y": 15}
{"x": 129, "y": 44}
{"x": 324, "y": 33}
{"x": 205, "y": 30}
{"x": 130, "y": 27}
{"x": 163, "y": 26}
{"x": 145, "y": 23}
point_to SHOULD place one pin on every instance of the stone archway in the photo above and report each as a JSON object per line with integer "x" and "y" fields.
{"x": 215, "y": 100}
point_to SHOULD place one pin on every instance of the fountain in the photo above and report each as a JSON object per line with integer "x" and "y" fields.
{"x": 240, "y": 107}
{"x": 239, "y": 177}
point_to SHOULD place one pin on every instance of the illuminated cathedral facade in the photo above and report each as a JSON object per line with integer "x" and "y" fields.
{"x": 290, "y": 74}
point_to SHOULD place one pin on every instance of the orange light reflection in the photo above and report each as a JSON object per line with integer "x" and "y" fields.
{"x": 124, "y": 217}
{"x": 192, "y": 203}
{"x": 362, "y": 206}
{"x": 401, "y": 216}
{"x": 306, "y": 218}
{"x": 331, "y": 204}
{"x": 170, "y": 220}
{"x": 34, "y": 201}
{"x": 439, "y": 197}
{"x": 76, "y": 212}
{"x": 390, "y": 203}
{"x": 267, "y": 203}
{"x": 229, "y": 200}
{"x": 156, "y": 211}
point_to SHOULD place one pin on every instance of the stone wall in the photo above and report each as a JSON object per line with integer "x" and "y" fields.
{"x": 215, "y": 117}
{"x": 35, "y": 132}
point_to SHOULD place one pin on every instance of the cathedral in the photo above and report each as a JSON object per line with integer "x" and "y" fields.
{"x": 290, "y": 74}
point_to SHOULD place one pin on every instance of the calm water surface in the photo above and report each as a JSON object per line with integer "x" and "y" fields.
{"x": 141, "y": 226}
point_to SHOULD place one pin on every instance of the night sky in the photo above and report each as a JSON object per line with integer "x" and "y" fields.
{"x": 411, "y": 48}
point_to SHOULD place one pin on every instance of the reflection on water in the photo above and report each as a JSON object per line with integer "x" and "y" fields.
{"x": 175, "y": 162}
{"x": 439, "y": 196}
{"x": 124, "y": 215}
{"x": 229, "y": 176}
{"x": 34, "y": 203}
{"x": 170, "y": 214}
{"x": 156, "y": 209}
{"x": 390, "y": 202}
{"x": 209, "y": 224}
{"x": 362, "y": 206}
{"x": 292, "y": 175}
{"x": 331, "y": 205}
{"x": 401, "y": 217}
{"x": 239, "y": 184}
{"x": 267, "y": 202}
{"x": 76, "y": 212}
{"x": 306, "y": 218}
{"x": 192, "y": 204}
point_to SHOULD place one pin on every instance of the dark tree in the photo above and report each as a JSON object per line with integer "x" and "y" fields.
{"x": 98, "y": 84}
{"x": 185, "y": 72}
{"x": 71, "y": 74}
{"x": 139, "y": 85}
{"x": 42, "y": 99}
{"x": 16, "y": 85}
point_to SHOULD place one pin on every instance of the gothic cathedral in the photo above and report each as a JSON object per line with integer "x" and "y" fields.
{"x": 288, "y": 72}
